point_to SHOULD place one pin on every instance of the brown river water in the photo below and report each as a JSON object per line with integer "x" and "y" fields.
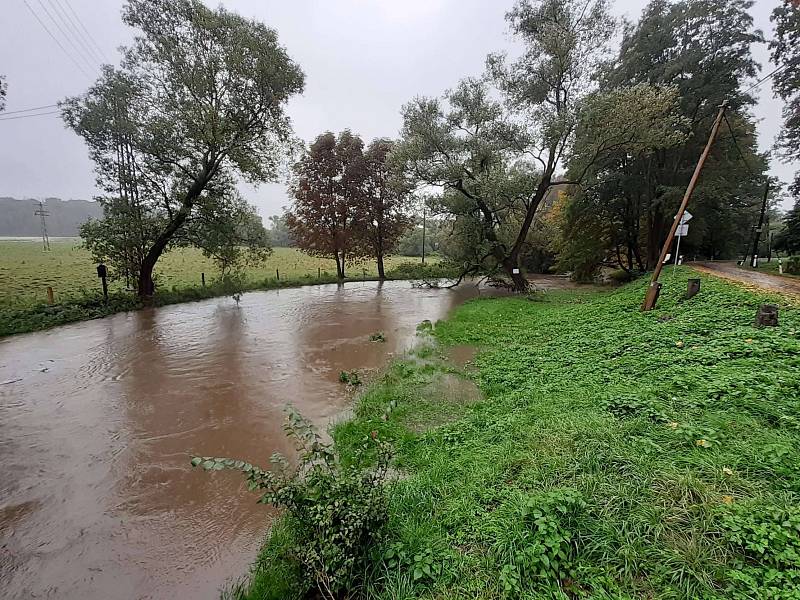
{"x": 98, "y": 421}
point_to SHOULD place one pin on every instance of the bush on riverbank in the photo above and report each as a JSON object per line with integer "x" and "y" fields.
{"x": 615, "y": 454}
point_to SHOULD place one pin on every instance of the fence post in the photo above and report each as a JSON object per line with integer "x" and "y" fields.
{"x": 50, "y": 298}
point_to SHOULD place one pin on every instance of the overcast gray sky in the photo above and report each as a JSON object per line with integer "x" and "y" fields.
{"x": 363, "y": 59}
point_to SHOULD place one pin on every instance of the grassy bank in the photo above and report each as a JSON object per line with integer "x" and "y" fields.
{"x": 609, "y": 454}
{"x": 26, "y": 272}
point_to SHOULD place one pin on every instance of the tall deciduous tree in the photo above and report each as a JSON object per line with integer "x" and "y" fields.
{"x": 786, "y": 83}
{"x": 204, "y": 101}
{"x": 279, "y": 233}
{"x": 327, "y": 195}
{"x": 497, "y": 168}
{"x": 383, "y": 217}
{"x": 702, "y": 48}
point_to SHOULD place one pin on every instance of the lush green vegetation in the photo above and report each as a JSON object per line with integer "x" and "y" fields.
{"x": 26, "y": 271}
{"x": 611, "y": 454}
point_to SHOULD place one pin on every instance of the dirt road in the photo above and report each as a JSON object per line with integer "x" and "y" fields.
{"x": 732, "y": 272}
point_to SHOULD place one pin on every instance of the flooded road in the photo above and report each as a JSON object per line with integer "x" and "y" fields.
{"x": 98, "y": 419}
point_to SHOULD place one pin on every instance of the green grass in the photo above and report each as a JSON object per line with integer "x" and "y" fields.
{"x": 643, "y": 455}
{"x": 26, "y": 272}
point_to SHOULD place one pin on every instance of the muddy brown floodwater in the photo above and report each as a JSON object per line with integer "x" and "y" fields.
{"x": 98, "y": 419}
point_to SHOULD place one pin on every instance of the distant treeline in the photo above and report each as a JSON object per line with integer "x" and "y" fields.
{"x": 66, "y": 216}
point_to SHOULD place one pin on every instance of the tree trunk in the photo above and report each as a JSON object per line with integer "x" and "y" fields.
{"x": 339, "y": 266}
{"x": 381, "y": 273}
{"x": 145, "y": 286}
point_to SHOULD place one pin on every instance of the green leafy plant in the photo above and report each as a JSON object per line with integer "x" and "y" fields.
{"x": 632, "y": 406}
{"x": 338, "y": 511}
{"x": 425, "y": 565}
{"x": 350, "y": 378}
{"x": 377, "y": 337}
{"x": 548, "y": 545}
{"x": 766, "y": 540}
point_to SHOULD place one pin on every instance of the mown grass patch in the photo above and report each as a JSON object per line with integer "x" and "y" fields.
{"x": 615, "y": 454}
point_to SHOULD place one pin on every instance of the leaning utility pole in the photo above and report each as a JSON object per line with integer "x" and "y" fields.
{"x": 43, "y": 213}
{"x": 757, "y": 236}
{"x": 423, "y": 233}
{"x": 655, "y": 287}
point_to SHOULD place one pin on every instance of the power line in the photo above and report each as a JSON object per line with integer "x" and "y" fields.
{"x": 88, "y": 36}
{"x": 738, "y": 148}
{"x": 768, "y": 76}
{"x": 74, "y": 31}
{"x": 55, "y": 39}
{"x": 25, "y": 110}
{"x": 44, "y": 114}
{"x": 67, "y": 37}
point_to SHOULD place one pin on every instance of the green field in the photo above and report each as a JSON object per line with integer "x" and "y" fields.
{"x": 610, "y": 454}
{"x": 26, "y": 271}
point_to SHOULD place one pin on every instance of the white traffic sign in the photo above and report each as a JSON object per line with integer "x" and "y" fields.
{"x": 686, "y": 217}
{"x": 682, "y": 230}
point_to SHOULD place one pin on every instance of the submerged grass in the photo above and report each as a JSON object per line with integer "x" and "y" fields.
{"x": 613, "y": 454}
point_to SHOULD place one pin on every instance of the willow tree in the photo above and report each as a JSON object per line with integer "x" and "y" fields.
{"x": 497, "y": 161}
{"x": 205, "y": 92}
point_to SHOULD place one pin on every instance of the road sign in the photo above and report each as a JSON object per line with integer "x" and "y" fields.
{"x": 687, "y": 216}
{"x": 682, "y": 230}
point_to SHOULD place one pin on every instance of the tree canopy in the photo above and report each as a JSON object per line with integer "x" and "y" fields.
{"x": 785, "y": 50}
{"x": 698, "y": 53}
{"x": 198, "y": 102}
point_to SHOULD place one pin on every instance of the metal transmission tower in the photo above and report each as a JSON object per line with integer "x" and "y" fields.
{"x": 43, "y": 213}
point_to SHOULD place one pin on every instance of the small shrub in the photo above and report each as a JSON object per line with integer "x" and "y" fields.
{"x": 793, "y": 265}
{"x": 377, "y": 337}
{"x": 338, "y": 511}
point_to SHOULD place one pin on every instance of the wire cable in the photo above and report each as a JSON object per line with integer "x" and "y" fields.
{"x": 74, "y": 31}
{"x": 738, "y": 148}
{"x": 89, "y": 36}
{"x": 768, "y": 76}
{"x": 44, "y": 114}
{"x": 67, "y": 37}
{"x": 25, "y": 110}
{"x": 55, "y": 39}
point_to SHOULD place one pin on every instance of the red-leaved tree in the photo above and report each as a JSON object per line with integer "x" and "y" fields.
{"x": 328, "y": 194}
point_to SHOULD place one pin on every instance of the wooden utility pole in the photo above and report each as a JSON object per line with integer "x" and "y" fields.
{"x": 43, "y": 213}
{"x": 423, "y": 232}
{"x": 757, "y": 236}
{"x": 655, "y": 287}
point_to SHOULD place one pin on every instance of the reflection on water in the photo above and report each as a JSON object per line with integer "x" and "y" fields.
{"x": 97, "y": 499}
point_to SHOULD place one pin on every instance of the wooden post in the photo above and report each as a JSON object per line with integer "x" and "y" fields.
{"x": 277, "y": 274}
{"x": 203, "y": 279}
{"x": 693, "y": 288}
{"x": 651, "y": 297}
{"x": 767, "y": 316}
{"x": 319, "y": 272}
{"x": 50, "y": 298}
